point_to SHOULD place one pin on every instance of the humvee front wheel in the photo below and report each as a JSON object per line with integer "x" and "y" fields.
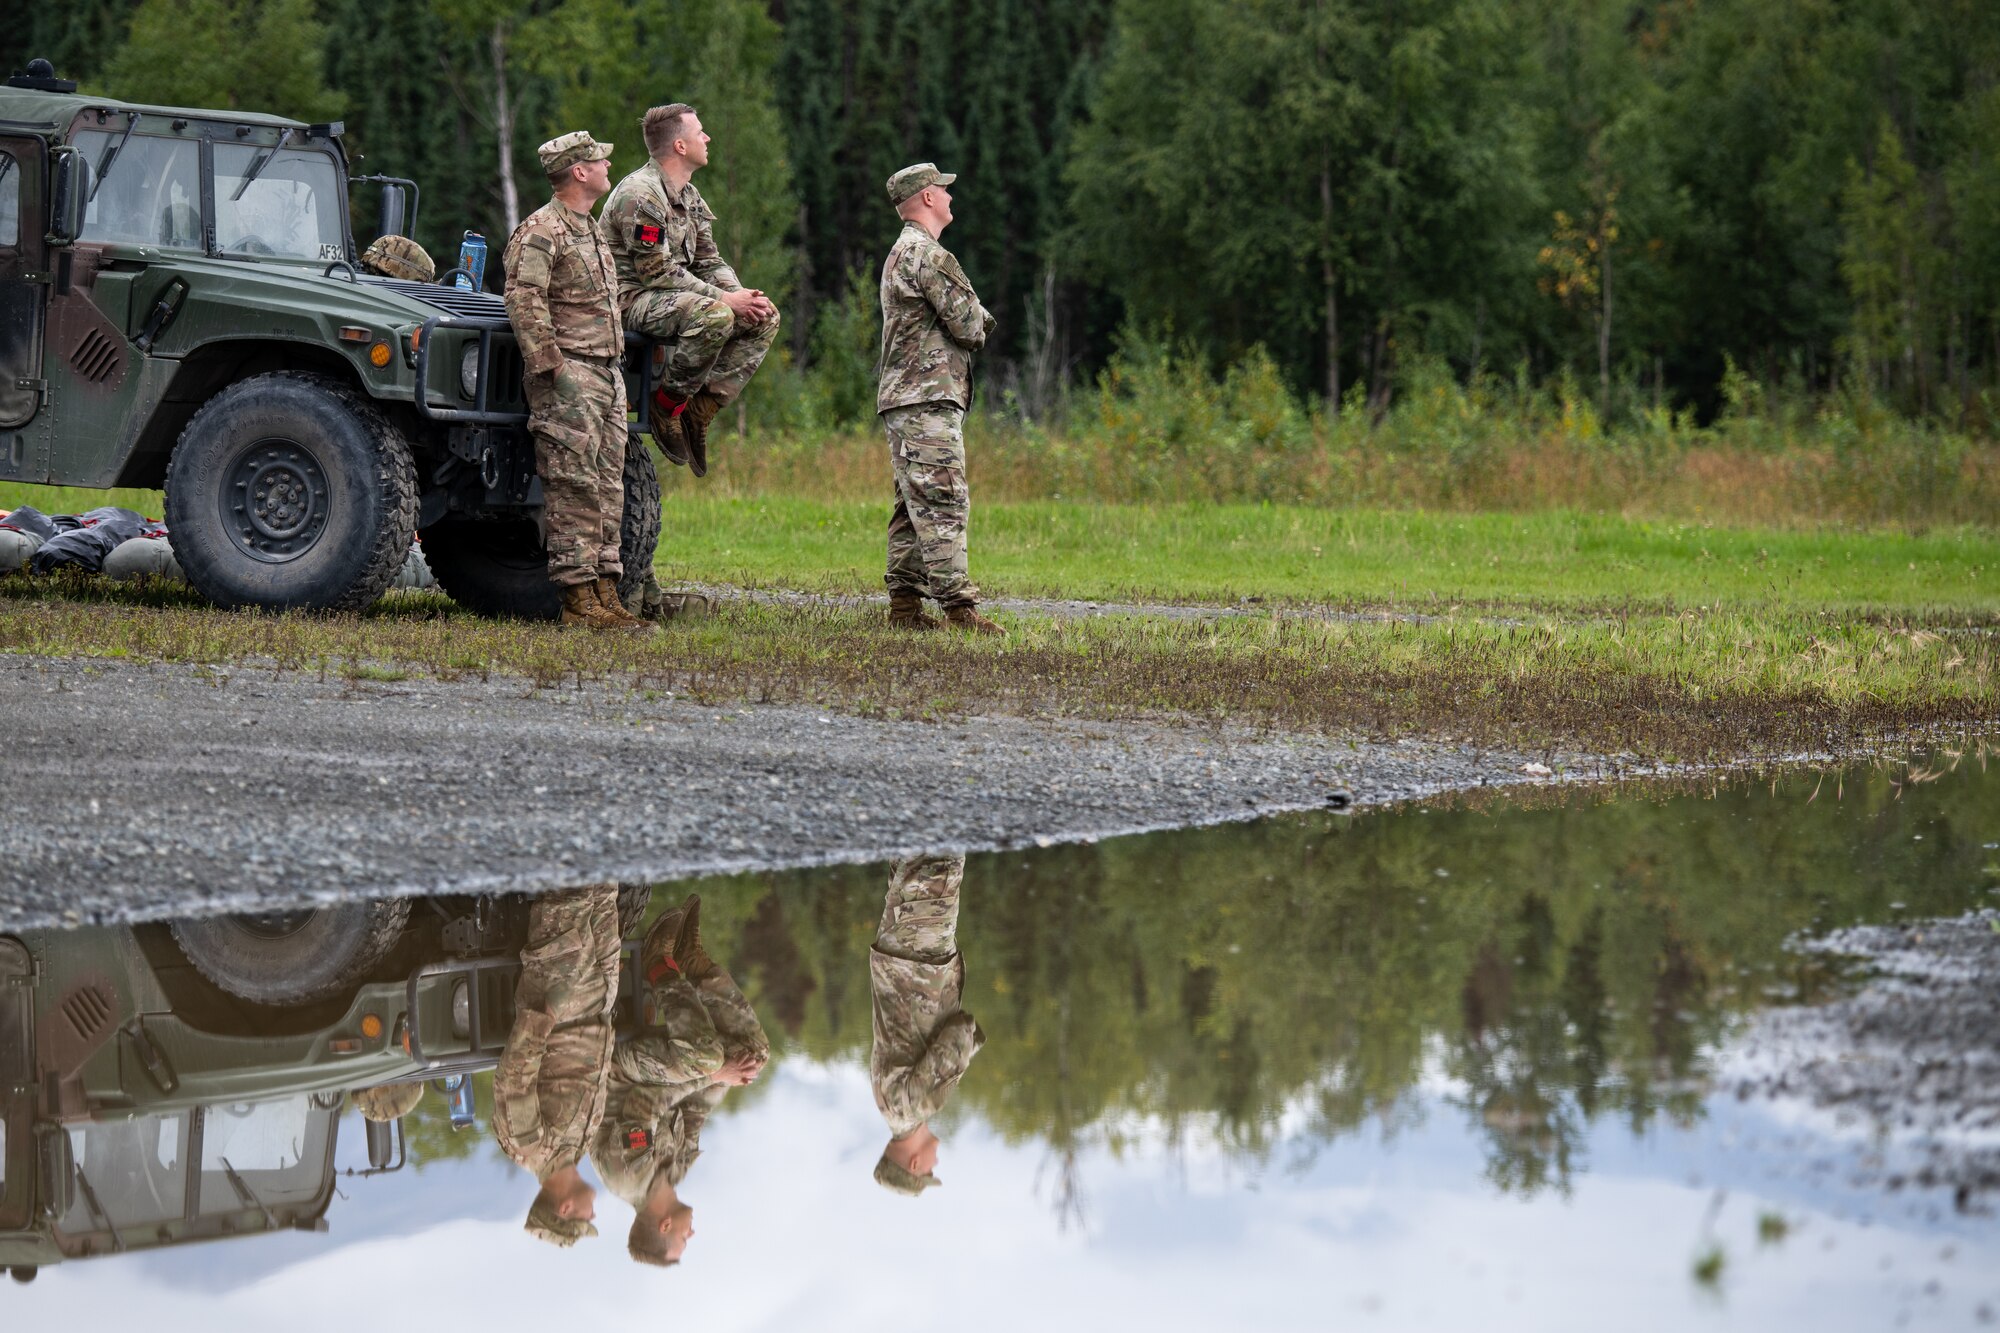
{"x": 498, "y": 567}
{"x": 291, "y": 490}
{"x": 293, "y": 957}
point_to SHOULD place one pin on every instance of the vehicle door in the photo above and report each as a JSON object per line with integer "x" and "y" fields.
{"x": 17, "y": 1086}
{"x": 24, "y": 290}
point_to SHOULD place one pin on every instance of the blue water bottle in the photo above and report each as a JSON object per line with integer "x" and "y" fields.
{"x": 472, "y": 258}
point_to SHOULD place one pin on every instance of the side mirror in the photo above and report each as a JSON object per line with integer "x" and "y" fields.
{"x": 71, "y": 193}
{"x": 392, "y": 211}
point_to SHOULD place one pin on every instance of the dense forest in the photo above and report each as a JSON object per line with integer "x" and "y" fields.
{"x": 1675, "y": 202}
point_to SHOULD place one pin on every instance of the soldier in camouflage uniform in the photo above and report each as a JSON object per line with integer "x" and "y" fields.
{"x": 549, "y": 1088}
{"x": 562, "y": 291}
{"x": 674, "y": 286}
{"x": 932, "y": 323}
{"x": 699, "y": 1037}
{"x": 923, "y": 1040}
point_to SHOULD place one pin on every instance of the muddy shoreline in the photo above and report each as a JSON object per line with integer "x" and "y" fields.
{"x": 148, "y": 791}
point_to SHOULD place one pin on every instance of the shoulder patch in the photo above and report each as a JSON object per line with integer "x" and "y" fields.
{"x": 537, "y": 239}
{"x": 648, "y": 233}
{"x": 650, "y": 208}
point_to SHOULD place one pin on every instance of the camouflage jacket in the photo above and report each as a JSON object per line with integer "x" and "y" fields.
{"x": 649, "y": 1128}
{"x": 662, "y": 240}
{"x": 562, "y": 289}
{"x": 549, "y": 1089}
{"x": 932, "y": 323}
{"x": 923, "y": 1040}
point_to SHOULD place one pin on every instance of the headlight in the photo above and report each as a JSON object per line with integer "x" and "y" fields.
{"x": 468, "y": 372}
{"x": 461, "y": 1010}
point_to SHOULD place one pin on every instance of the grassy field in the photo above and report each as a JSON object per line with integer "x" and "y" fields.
{"x": 1550, "y": 629}
{"x": 1223, "y": 553}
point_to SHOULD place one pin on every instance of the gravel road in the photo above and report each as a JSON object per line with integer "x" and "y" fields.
{"x": 148, "y": 791}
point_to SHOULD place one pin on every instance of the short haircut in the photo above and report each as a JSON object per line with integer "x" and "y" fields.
{"x": 647, "y": 1244}
{"x": 662, "y": 125}
{"x": 560, "y": 177}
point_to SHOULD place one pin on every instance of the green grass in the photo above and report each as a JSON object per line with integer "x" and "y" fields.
{"x": 1220, "y": 553}
{"x": 1692, "y": 685}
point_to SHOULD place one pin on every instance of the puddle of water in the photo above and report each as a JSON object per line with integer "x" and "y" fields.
{"x": 1401, "y": 1070}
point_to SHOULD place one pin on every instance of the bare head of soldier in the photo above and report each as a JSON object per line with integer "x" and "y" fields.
{"x": 675, "y": 140}
{"x": 578, "y": 168}
{"x": 922, "y": 194}
{"x": 660, "y": 1233}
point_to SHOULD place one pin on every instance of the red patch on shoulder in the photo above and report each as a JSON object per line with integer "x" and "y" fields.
{"x": 638, "y": 1140}
{"x": 649, "y": 234}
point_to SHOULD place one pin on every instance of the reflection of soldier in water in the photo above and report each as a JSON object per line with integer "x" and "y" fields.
{"x": 548, "y": 1092}
{"x": 923, "y": 1040}
{"x": 698, "y": 1038}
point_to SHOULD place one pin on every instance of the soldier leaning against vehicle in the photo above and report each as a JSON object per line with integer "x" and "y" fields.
{"x": 550, "y": 1086}
{"x": 562, "y": 291}
{"x": 932, "y": 323}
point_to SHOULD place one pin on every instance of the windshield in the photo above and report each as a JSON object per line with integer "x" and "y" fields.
{"x": 150, "y": 196}
{"x": 131, "y": 1173}
{"x": 281, "y": 203}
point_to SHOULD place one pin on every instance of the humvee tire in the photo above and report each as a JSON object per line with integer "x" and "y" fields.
{"x": 290, "y": 490}
{"x": 498, "y": 567}
{"x": 293, "y": 957}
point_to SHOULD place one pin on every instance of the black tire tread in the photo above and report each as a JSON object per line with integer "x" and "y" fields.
{"x": 387, "y": 919}
{"x": 397, "y": 477}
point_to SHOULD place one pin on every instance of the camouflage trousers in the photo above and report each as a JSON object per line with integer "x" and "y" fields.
{"x": 688, "y": 1029}
{"x": 707, "y": 346}
{"x": 549, "y": 1088}
{"x": 933, "y": 505}
{"x": 920, "y": 914}
{"x": 578, "y": 420}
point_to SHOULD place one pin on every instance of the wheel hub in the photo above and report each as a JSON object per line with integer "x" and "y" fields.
{"x": 275, "y": 501}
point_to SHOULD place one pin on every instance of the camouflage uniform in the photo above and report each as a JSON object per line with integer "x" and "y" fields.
{"x": 932, "y": 323}
{"x": 923, "y": 1040}
{"x": 671, "y": 278}
{"x": 399, "y": 257}
{"x": 562, "y": 291}
{"x": 663, "y": 1080}
{"x": 549, "y": 1089}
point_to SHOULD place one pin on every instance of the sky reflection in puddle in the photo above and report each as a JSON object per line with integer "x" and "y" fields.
{"x": 1403, "y": 1071}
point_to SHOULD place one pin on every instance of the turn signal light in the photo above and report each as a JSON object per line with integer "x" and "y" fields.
{"x": 350, "y": 333}
{"x": 378, "y": 355}
{"x": 371, "y": 1026}
{"x": 344, "y": 1046}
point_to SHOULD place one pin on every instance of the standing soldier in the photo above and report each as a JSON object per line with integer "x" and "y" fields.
{"x": 923, "y": 1040}
{"x": 932, "y": 323}
{"x": 674, "y": 286}
{"x": 699, "y": 1037}
{"x": 562, "y": 292}
{"x": 549, "y": 1088}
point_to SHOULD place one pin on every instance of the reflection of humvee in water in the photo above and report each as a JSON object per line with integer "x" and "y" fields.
{"x": 143, "y": 1105}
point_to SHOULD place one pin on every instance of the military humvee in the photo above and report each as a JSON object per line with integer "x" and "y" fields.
{"x": 180, "y": 306}
{"x": 142, "y": 1105}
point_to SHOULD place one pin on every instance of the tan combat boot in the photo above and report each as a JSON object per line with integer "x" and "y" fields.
{"x": 701, "y": 410}
{"x": 967, "y": 618}
{"x": 906, "y": 611}
{"x": 607, "y": 598}
{"x": 581, "y": 607}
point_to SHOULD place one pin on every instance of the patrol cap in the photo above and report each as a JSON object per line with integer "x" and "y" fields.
{"x": 545, "y": 1223}
{"x": 901, "y": 1180}
{"x": 907, "y": 182}
{"x": 566, "y": 150}
{"x": 398, "y": 257}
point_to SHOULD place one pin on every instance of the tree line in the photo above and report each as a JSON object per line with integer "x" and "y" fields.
{"x": 1665, "y": 202}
